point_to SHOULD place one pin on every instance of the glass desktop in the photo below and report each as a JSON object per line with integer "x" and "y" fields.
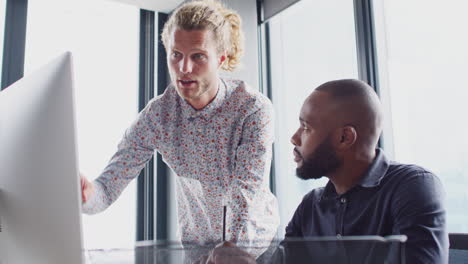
{"x": 351, "y": 249}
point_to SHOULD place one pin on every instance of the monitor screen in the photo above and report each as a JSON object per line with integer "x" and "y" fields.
{"x": 40, "y": 202}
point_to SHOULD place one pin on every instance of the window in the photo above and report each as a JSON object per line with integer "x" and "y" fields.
{"x": 423, "y": 68}
{"x": 2, "y": 33}
{"x": 310, "y": 43}
{"x": 103, "y": 37}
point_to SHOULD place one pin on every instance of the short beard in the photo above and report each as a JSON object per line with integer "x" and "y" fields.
{"x": 320, "y": 163}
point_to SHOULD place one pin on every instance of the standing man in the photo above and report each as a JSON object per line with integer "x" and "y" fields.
{"x": 216, "y": 134}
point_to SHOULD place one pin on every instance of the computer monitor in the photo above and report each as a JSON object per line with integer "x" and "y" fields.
{"x": 40, "y": 200}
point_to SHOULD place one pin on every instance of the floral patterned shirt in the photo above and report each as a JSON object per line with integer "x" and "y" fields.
{"x": 220, "y": 154}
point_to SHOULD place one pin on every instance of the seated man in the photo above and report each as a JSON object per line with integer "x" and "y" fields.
{"x": 367, "y": 194}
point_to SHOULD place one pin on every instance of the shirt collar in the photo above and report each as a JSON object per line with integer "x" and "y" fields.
{"x": 208, "y": 111}
{"x": 371, "y": 178}
{"x": 376, "y": 171}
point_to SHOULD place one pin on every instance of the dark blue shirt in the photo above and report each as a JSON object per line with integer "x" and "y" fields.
{"x": 391, "y": 199}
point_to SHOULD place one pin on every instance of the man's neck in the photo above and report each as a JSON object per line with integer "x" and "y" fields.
{"x": 206, "y": 98}
{"x": 351, "y": 173}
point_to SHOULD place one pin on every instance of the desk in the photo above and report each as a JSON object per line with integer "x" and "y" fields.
{"x": 149, "y": 252}
{"x": 355, "y": 249}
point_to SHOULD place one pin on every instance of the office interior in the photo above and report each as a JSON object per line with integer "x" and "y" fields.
{"x": 413, "y": 53}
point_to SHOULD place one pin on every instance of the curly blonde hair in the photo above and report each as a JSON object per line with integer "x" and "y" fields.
{"x": 210, "y": 14}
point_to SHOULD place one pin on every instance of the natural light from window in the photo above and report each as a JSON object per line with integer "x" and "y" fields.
{"x": 309, "y": 46}
{"x": 425, "y": 65}
{"x": 103, "y": 38}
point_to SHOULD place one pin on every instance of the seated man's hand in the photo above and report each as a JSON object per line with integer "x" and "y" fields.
{"x": 87, "y": 189}
{"x": 229, "y": 253}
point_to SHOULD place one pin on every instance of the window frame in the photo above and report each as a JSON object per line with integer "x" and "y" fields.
{"x": 14, "y": 41}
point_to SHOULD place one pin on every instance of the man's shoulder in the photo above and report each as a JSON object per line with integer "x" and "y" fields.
{"x": 408, "y": 171}
{"x": 245, "y": 95}
{"x": 313, "y": 196}
{"x": 166, "y": 99}
{"x": 413, "y": 182}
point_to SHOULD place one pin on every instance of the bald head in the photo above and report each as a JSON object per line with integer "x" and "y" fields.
{"x": 353, "y": 103}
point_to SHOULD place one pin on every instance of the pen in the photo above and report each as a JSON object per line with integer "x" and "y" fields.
{"x": 224, "y": 223}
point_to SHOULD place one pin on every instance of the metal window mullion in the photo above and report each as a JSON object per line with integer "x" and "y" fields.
{"x": 366, "y": 46}
{"x": 263, "y": 34}
{"x": 162, "y": 180}
{"x": 145, "y": 189}
{"x": 365, "y": 43}
{"x": 14, "y": 43}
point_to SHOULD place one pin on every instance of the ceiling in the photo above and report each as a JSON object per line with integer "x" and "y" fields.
{"x": 164, "y": 6}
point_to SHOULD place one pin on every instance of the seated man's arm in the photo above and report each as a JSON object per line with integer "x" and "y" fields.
{"x": 294, "y": 227}
{"x": 419, "y": 213}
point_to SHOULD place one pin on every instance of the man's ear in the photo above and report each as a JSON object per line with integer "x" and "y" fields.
{"x": 345, "y": 137}
{"x": 222, "y": 59}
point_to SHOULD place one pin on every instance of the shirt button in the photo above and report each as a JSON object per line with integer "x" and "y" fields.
{"x": 199, "y": 130}
{"x": 343, "y": 200}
